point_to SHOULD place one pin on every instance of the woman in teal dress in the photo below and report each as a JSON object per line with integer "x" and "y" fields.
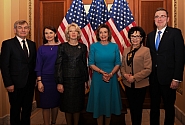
{"x": 104, "y": 59}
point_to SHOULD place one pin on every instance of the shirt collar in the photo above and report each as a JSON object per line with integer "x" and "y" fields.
{"x": 20, "y": 39}
{"x": 163, "y": 29}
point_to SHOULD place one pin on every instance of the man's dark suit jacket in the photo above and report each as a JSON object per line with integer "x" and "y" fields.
{"x": 169, "y": 57}
{"x": 16, "y": 68}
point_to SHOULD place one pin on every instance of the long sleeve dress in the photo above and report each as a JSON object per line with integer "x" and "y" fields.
{"x": 72, "y": 72}
{"x": 45, "y": 67}
{"x": 104, "y": 98}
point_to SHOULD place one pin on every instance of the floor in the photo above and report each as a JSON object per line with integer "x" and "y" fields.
{"x": 36, "y": 118}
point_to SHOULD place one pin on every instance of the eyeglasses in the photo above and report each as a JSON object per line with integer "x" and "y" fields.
{"x": 135, "y": 37}
{"x": 162, "y": 16}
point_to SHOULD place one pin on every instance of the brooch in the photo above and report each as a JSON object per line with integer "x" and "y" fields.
{"x": 79, "y": 47}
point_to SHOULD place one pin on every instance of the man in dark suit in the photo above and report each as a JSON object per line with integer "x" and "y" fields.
{"x": 18, "y": 57}
{"x": 167, "y": 67}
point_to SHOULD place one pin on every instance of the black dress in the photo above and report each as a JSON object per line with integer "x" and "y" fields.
{"x": 71, "y": 71}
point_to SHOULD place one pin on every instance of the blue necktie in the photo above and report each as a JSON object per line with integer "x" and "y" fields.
{"x": 157, "y": 40}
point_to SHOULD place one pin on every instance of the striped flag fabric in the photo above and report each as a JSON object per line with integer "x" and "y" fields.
{"x": 76, "y": 14}
{"x": 121, "y": 20}
{"x": 98, "y": 13}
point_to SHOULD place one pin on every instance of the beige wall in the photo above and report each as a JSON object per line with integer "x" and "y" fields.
{"x": 180, "y": 101}
{"x": 10, "y": 11}
{"x": 4, "y": 106}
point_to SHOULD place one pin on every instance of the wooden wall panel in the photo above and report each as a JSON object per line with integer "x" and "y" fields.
{"x": 48, "y": 12}
{"x": 53, "y": 13}
{"x": 146, "y": 18}
{"x": 87, "y": 1}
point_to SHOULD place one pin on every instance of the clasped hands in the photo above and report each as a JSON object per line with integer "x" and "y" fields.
{"x": 106, "y": 76}
{"x": 129, "y": 78}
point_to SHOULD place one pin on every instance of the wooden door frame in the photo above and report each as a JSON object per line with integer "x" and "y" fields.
{"x": 37, "y": 18}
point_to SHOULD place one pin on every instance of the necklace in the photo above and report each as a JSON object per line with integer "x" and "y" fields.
{"x": 51, "y": 47}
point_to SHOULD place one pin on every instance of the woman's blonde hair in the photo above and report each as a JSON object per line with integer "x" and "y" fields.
{"x": 77, "y": 29}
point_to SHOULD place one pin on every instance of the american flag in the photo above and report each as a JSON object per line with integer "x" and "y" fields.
{"x": 76, "y": 14}
{"x": 121, "y": 20}
{"x": 98, "y": 13}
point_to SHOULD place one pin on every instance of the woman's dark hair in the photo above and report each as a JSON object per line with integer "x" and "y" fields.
{"x": 140, "y": 30}
{"x": 50, "y": 28}
{"x": 98, "y": 31}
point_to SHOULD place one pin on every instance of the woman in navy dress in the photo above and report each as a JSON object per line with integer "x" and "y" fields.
{"x": 45, "y": 67}
{"x": 71, "y": 74}
{"x": 104, "y": 59}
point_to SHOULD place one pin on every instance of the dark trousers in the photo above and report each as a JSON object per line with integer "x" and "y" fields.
{"x": 168, "y": 96}
{"x": 136, "y": 98}
{"x": 21, "y": 105}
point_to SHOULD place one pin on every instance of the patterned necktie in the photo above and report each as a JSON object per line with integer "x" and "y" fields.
{"x": 25, "y": 49}
{"x": 157, "y": 40}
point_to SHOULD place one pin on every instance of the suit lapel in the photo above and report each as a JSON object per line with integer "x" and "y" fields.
{"x": 153, "y": 40}
{"x": 30, "y": 49}
{"x": 164, "y": 37}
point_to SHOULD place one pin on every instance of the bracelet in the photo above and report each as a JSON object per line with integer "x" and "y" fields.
{"x": 39, "y": 80}
{"x": 111, "y": 74}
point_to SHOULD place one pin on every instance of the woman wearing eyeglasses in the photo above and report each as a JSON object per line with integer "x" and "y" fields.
{"x": 135, "y": 69}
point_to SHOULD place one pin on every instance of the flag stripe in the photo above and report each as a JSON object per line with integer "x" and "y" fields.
{"x": 115, "y": 36}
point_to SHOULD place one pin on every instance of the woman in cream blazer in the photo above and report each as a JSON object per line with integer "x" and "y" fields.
{"x": 135, "y": 69}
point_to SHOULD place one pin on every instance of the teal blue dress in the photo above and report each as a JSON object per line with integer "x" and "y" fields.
{"x": 104, "y": 98}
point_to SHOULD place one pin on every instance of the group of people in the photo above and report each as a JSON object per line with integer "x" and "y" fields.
{"x": 159, "y": 65}
{"x": 60, "y": 71}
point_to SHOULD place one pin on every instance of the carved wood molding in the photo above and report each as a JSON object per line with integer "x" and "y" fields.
{"x": 175, "y": 13}
{"x": 180, "y": 88}
{"x": 29, "y": 17}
